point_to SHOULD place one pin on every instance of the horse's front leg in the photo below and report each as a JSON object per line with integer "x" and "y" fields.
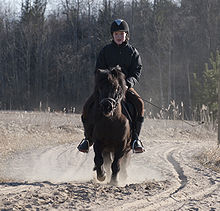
{"x": 101, "y": 175}
{"x": 107, "y": 164}
{"x": 116, "y": 167}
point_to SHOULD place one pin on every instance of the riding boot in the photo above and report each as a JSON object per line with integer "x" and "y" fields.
{"x": 87, "y": 141}
{"x": 136, "y": 144}
{"x": 84, "y": 145}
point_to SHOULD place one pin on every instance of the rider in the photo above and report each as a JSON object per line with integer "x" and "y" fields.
{"x": 119, "y": 52}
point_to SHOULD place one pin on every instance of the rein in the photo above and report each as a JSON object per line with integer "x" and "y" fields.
{"x": 192, "y": 125}
{"x": 112, "y": 101}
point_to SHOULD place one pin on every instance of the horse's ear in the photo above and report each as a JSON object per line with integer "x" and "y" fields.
{"x": 114, "y": 73}
{"x": 100, "y": 71}
{"x": 97, "y": 71}
{"x": 118, "y": 68}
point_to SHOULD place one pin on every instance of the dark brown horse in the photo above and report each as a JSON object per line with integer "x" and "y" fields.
{"x": 111, "y": 133}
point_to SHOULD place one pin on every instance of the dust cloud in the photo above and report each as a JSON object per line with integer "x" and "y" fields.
{"x": 66, "y": 164}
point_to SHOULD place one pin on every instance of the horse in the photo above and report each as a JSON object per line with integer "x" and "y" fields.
{"x": 112, "y": 132}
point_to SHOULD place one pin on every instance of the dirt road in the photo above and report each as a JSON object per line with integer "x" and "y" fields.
{"x": 41, "y": 169}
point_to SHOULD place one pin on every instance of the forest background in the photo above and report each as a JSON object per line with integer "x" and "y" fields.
{"x": 47, "y": 57}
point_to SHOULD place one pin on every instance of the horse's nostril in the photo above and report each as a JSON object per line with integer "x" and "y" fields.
{"x": 107, "y": 107}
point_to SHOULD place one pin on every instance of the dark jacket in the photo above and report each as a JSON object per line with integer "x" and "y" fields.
{"x": 124, "y": 55}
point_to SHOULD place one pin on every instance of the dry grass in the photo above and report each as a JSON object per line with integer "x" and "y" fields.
{"x": 28, "y": 130}
{"x": 210, "y": 158}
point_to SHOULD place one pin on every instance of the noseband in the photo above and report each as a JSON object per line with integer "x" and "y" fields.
{"x": 110, "y": 100}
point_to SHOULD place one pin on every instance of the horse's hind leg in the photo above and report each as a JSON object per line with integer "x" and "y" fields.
{"x": 101, "y": 175}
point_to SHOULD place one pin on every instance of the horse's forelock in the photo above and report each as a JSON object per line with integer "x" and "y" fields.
{"x": 117, "y": 73}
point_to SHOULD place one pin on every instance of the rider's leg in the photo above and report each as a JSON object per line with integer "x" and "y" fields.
{"x": 134, "y": 98}
{"x": 88, "y": 126}
{"x": 136, "y": 143}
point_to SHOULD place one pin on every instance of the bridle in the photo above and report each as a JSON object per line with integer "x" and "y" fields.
{"x": 113, "y": 102}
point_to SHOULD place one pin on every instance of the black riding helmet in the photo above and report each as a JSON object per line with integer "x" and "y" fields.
{"x": 119, "y": 25}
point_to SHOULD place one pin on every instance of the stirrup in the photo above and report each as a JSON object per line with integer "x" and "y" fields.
{"x": 139, "y": 148}
{"x": 83, "y": 146}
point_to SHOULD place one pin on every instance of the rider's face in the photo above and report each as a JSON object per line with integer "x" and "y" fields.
{"x": 119, "y": 37}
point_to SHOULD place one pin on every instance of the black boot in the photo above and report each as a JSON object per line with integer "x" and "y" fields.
{"x": 86, "y": 142}
{"x": 136, "y": 144}
{"x": 84, "y": 146}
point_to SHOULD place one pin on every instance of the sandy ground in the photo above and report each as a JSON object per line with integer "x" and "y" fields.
{"x": 41, "y": 169}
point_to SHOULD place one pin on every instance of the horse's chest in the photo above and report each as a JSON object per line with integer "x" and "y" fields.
{"x": 113, "y": 123}
{"x": 109, "y": 125}
{"x": 116, "y": 129}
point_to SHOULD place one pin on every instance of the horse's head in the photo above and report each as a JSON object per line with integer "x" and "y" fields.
{"x": 110, "y": 88}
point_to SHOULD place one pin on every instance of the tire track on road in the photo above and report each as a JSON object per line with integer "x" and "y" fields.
{"x": 179, "y": 170}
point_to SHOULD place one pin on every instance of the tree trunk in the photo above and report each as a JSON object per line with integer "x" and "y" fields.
{"x": 161, "y": 84}
{"x": 169, "y": 73}
{"x": 219, "y": 110}
{"x": 189, "y": 83}
{"x": 218, "y": 69}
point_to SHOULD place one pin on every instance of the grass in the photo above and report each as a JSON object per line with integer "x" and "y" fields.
{"x": 210, "y": 158}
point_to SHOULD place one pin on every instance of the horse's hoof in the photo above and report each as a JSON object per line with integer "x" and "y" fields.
{"x": 101, "y": 178}
{"x": 113, "y": 182}
{"x": 123, "y": 176}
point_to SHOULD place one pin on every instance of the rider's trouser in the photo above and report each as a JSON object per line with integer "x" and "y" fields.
{"x": 88, "y": 122}
{"x": 132, "y": 96}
